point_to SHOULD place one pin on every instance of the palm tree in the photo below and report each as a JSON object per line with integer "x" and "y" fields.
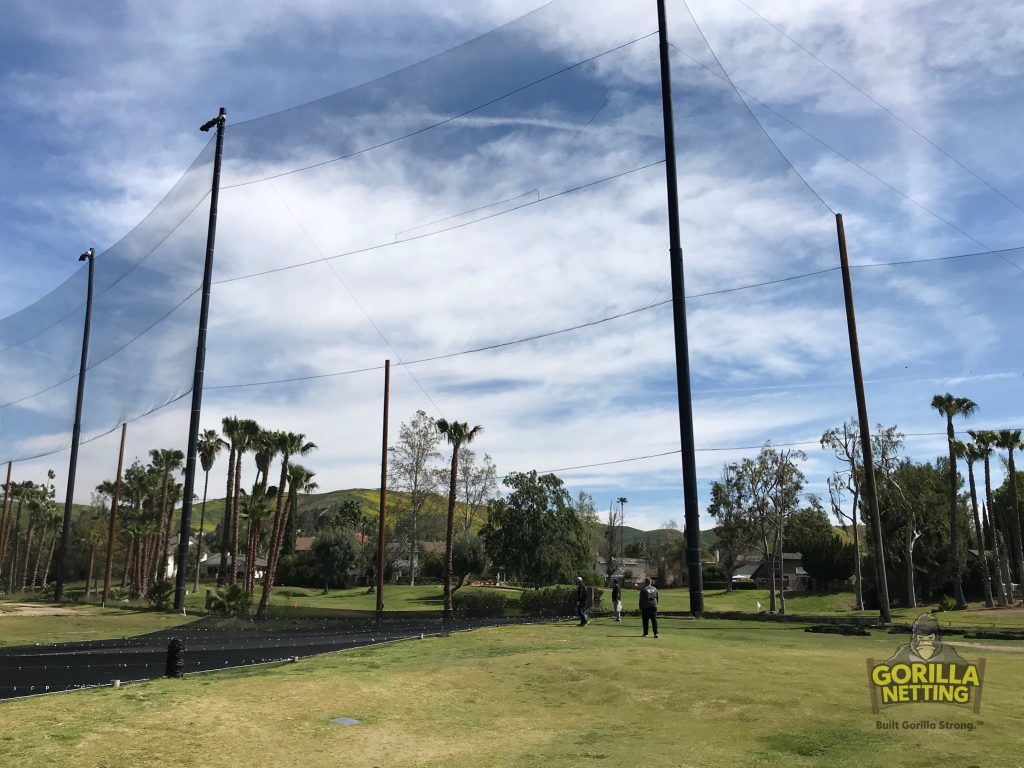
{"x": 264, "y": 445}
{"x": 230, "y": 428}
{"x": 950, "y": 406}
{"x": 208, "y": 447}
{"x": 1009, "y": 439}
{"x": 970, "y": 453}
{"x": 20, "y": 491}
{"x": 457, "y": 433}
{"x": 300, "y": 480}
{"x": 621, "y": 501}
{"x": 248, "y": 431}
{"x": 254, "y": 507}
{"x": 166, "y": 462}
{"x": 984, "y": 441}
{"x": 288, "y": 444}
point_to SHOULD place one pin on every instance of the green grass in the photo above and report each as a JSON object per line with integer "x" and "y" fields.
{"x": 88, "y": 624}
{"x": 723, "y": 694}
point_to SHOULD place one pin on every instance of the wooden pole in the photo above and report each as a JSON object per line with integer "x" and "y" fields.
{"x": 882, "y": 586}
{"x": 113, "y": 519}
{"x": 383, "y": 495}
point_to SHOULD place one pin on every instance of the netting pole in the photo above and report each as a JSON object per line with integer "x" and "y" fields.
{"x": 383, "y": 496}
{"x": 882, "y": 585}
{"x": 197, "y": 382}
{"x": 76, "y": 433}
{"x": 689, "y": 456}
{"x": 113, "y": 519}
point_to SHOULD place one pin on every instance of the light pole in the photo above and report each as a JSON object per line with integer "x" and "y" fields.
{"x": 65, "y": 534}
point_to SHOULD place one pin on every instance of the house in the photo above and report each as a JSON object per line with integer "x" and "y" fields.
{"x": 211, "y": 564}
{"x": 794, "y": 577}
{"x": 630, "y": 571}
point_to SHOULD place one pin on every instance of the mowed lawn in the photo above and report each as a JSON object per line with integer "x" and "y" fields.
{"x": 85, "y": 624}
{"x": 706, "y": 693}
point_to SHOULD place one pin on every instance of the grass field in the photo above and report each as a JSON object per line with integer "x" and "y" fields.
{"x": 707, "y": 693}
{"x": 86, "y": 624}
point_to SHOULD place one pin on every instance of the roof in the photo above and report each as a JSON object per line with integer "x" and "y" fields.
{"x": 745, "y": 571}
{"x": 304, "y": 543}
{"x": 261, "y": 562}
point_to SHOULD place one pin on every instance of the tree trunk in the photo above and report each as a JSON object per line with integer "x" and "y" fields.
{"x": 1018, "y": 545}
{"x": 769, "y": 559}
{"x": 412, "y": 547}
{"x": 997, "y": 532}
{"x": 199, "y": 536}
{"x": 88, "y": 578}
{"x": 225, "y": 524}
{"x": 985, "y": 575}
{"x": 49, "y": 557}
{"x": 129, "y": 551}
{"x": 276, "y": 536}
{"x": 11, "y": 576}
{"x": 989, "y": 524}
{"x": 448, "y": 535}
{"x": 28, "y": 553}
{"x": 236, "y": 520}
{"x": 954, "y": 544}
{"x": 165, "y": 518}
{"x": 39, "y": 556}
{"x": 858, "y": 579}
{"x": 908, "y": 558}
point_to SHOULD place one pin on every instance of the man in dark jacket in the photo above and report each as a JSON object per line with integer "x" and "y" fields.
{"x": 649, "y": 606}
{"x": 581, "y": 601}
{"x": 617, "y": 599}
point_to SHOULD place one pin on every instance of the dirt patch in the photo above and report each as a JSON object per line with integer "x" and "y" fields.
{"x": 34, "y": 609}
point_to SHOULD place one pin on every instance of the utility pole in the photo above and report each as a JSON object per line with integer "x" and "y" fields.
{"x": 689, "y": 456}
{"x": 383, "y": 496}
{"x": 76, "y": 433}
{"x": 197, "y": 380}
{"x": 113, "y": 518}
{"x": 865, "y": 430}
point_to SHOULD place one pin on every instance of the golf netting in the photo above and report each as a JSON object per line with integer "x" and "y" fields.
{"x": 209, "y": 644}
{"x": 513, "y": 186}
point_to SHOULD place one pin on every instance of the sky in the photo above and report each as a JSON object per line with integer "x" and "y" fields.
{"x": 459, "y": 176}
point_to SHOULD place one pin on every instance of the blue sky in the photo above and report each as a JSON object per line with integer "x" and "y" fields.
{"x": 104, "y": 102}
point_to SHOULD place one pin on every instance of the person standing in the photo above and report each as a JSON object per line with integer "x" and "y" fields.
{"x": 617, "y": 599}
{"x": 649, "y": 606}
{"x": 581, "y": 601}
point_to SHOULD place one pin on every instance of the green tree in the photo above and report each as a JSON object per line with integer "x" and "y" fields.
{"x": 468, "y": 557}
{"x": 998, "y": 537}
{"x": 950, "y": 407}
{"x": 536, "y": 533}
{"x": 458, "y": 434}
{"x": 335, "y": 552}
{"x": 232, "y": 431}
{"x": 300, "y": 480}
{"x": 827, "y": 559}
{"x": 970, "y": 453}
{"x": 289, "y": 444}
{"x": 733, "y": 534}
{"x": 1009, "y": 440}
{"x": 208, "y": 447}
{"x": 166, "y": 462}
{"x": 410, "y": 471}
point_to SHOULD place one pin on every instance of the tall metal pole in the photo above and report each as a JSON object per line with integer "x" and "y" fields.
{"x": 197, "y": 381}
{"x": 383, "y": 495}
{"x": 76, "y": 433}
{"x": 865, "y": 430}
{"x": 113, "y": 518}
{"x": 689, "y": 457}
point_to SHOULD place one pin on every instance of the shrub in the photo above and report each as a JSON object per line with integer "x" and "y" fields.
{"x": 744, "y": 585}
{"x": 946, "y": 603}
{"x": 161, "y": 593}
{"x": 475, "y": 603}
{"x": 550, "y": 601}
{"x": 292, "y": 592}
{"x": 233, "y": 601}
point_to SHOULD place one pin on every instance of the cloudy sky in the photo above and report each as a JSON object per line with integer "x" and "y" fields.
{"x": 409, "y": 180}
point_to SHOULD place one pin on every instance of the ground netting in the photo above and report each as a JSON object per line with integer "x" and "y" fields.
{"x": 209, "y": 644}
{"x": 515, "y": 186}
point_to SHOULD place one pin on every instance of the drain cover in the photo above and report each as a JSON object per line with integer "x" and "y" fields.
{"x": 345, "y": 721}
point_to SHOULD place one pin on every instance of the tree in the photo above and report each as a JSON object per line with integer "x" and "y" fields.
{"x": 335, "y": 552}
{"x": 1009, "y": 440}
{"x": 827, "y": 559}
{"x": 300, "y": 480}
{"x": 255, "y": 507}
{"x": 970, "y": 453}
{"x": 289, "y": 444}
{"x": 208, "y": 447}
{"x": 458, "y": 434}
{"x": 468, "y": 557}
{"x": 230, "y": 428}
{"x": 245, "y": 440}
{"x": 733, "y": 534}
{"x": 609, "y": 545}
{"x": 411, "y": 472}
{"x": 478, "y": 483}
{"x": 950, "y": 406}
{"x": 844, "y": 442}
{"x": 166, "y": 462}
{"x": 535, "y": 532}
{"x": 984, "y": 441}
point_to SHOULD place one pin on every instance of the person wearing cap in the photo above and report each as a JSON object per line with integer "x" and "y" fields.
{"x": 649, "y": 606}
{"x": 617, "y": 599}
{"x": 581, "y": 601}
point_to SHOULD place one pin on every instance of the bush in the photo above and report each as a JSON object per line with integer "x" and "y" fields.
{"x": 475, "y": 603}
{"x": 946, "y": 603}
{"x": 554, "y": 601}
{"x": 593, "y": 579}
{"x": 161, "y": 593}
{"x": 233, "y": 601}
{"x": 298, "y": 570}
{"x": 292, "y": 592}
